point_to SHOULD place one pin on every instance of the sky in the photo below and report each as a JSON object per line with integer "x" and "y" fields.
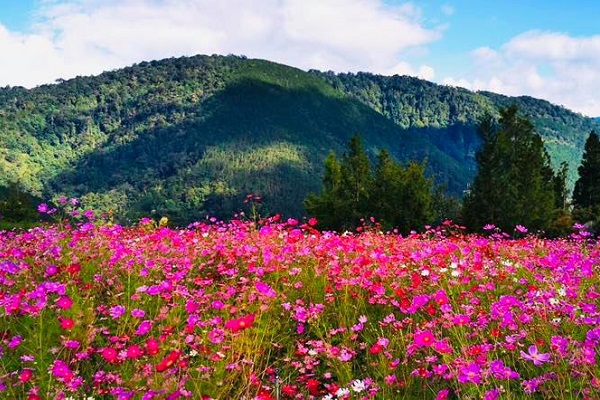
{"x": 548, "y": 49}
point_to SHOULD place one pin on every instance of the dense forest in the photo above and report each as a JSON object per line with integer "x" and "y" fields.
{"x": 192, "y": 136}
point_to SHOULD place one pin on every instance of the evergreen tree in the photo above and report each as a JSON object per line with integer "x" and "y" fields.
{"x": 356, "y": 181}
{"x": 515, "y": 183}
{"x": 329, "y": 206}
{"x": 395, "y": 196}
{"x": 416, "y": 207}
{"x": 387, "y": 189}
{"x": 587, "y": 187}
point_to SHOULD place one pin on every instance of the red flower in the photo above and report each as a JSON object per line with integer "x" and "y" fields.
{"x": 110, "y": 354}
{"x": 238, "y": 324}
{"x": 26, "y": 375}
{"x": 168, "y": 361}
{"x": 376, "y": 349}
{"x": 66, "y": 323}
{"x": 264, "y": 395}
{"x": 313, "y": 385}
{"x": 289, "y": 390}
{"x": 152, "y": 347}
{"x": 74, "y": 269}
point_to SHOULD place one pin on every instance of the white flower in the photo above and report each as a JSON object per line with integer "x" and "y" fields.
{"x": 455, "y": 273}
{"x": 425, "y": 272}
{"x": 342, "y": 392}
{"x": 358, "y": 385}
{"x": 553, "y": 301}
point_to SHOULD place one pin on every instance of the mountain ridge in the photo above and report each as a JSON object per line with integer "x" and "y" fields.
{"x": 191, "y": 136}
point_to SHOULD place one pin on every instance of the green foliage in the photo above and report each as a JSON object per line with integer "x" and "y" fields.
{"x": 515, "y": 183}
{"x": 587, "y": 187}
{"x": 353, "y": 191}
{"x": 192, "y": 136}
{"x": 17, "y": 206}
{"x": 586, "y": 196}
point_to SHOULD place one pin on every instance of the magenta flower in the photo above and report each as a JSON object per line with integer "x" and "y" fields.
{"x": 117, "y": 312}
{"x": 64, "y": 302}
{"x": 61, "y": 370}
{"x": 424, "y": 339}
{"x": 143, "y": 328}
{"x": 500, "y": 371}
{"x": 265, "y": 289}
{"x": 537, "y": 358}
{"x": 521, "y": 228}
{"x": 470, "y": 373}
{"x": 137, "y": 313}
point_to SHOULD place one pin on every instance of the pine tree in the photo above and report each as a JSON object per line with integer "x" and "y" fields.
{"x": 387, "y": 190}
{"x": 587, "y": 188}
{"x": 329, "y": 207}
{"x": 515, "y": 183}
{"x": 395, "y": 196}
{"x": 356, "y": 182}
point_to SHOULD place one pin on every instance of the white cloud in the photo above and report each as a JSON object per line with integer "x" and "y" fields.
{"x": 554, "y": 66}
{"x": 82, "y": 37}
{"x": 404, "y": 68}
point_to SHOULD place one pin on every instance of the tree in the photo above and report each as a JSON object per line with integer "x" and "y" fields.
{"x": 387, "y": 188}
{"x": 394, "y": 195}
{"x": 356, "y": 176}
{"x": 515, "y": 183}
{"x": 587, "y": 188}
{"x": 329, "y": 206}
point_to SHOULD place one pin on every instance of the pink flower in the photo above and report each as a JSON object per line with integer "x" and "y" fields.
{"x": 25, "y": 375}
{"x": 424, "y": 339}
{"x": 15, "y": 341}
{"x": 110, "y": 354}
{"x": 216, "y": 336}
{"x": 470, "y": 373}
{"x": 61, "y": 370}
{"x": 537, "y": 358}
{"x": 238, "y": 324}
{"x": 117, "y": 312}
{"x": 144, "y": 327}
{"x": 134, "y": 351}
{"x": 265, "y": 289}
{"x": 64, "y": 302}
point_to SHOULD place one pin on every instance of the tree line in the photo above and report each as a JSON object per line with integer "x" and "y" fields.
{"x": 515, "y": 185}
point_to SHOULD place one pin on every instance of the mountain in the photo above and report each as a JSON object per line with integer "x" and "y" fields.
{"x": 193, "y": 136}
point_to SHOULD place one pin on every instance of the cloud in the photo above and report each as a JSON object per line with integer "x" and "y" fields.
{"x": 555, "y": 66}
{"x": 82, "y": 37}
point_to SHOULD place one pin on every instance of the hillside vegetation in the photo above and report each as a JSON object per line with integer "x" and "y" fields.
{"x": 192, "y": 136}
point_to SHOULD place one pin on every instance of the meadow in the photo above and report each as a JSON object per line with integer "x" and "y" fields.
{"x": 275, "y": 309}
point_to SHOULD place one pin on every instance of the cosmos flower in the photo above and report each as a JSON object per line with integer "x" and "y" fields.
{"x": 534, "y": 356}
{"x": 238, "y": 324}
{"x": 424, "y": 339}
{"x": 470, "y": 373}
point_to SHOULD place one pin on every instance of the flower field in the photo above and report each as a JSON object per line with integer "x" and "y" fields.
{"x": 278, "y": 310}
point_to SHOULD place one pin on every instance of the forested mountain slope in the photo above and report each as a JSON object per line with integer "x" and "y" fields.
{"x": 193, "y": 136}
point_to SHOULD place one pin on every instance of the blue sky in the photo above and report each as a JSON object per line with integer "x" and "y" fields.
{"x": 546, "y": 49}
